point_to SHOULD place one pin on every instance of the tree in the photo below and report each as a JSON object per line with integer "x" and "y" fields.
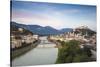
{"x": 71, "y": 52}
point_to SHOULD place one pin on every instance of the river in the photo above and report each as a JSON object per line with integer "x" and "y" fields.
{"x": 44, "y": 53}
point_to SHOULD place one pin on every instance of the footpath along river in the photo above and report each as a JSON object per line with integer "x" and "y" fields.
{"x": 44, "y": 53}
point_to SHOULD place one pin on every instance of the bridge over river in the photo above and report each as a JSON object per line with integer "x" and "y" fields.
{"x": 44, "y": 53}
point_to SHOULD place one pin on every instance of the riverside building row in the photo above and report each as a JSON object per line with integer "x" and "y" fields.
{"x": 18, "y": 40}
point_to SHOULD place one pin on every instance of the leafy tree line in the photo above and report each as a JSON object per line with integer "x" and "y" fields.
{"x": 71, "y": 52}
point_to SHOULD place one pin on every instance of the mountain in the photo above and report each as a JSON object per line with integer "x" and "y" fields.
{"x": 40, "y": 30}
{"x": 64, "y": 30}
{"x": 84, "y": 30}
{"x": 14, "y": 29}
{"x": 18, "y": 25}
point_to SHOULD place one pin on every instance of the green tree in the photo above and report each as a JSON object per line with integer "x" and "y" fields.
{"x": 71, "y": 52}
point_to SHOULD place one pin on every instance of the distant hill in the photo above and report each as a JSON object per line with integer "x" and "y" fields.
{"x": 40, "y": 30}
{"x": 14, "y": 29}
{"x": 85, "y": 31}
{"x": 64, "y": 30}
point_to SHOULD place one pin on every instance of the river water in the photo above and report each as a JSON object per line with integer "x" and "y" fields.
{"x": 44, "y": 53}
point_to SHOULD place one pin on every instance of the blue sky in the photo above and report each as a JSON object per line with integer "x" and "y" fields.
{"x": 53, "y": 14}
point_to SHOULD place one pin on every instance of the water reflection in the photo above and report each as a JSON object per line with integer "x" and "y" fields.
{"x": 38, "y": 56}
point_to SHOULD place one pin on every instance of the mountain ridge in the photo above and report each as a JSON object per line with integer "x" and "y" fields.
{"x": 40, "y": 30}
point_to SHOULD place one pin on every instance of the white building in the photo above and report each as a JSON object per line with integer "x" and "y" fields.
{"x": 35, "y": 37}
{"x": 15, "y": 42}
{"x": 20, "y": 29}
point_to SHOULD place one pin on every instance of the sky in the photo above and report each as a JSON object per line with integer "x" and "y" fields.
{"x": 54, "y": 14}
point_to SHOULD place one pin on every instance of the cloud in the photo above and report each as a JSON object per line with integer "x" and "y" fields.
{"x": 71, "y": 11}
{"x": 51, "y": 16}
{"x": 34, "y": 18}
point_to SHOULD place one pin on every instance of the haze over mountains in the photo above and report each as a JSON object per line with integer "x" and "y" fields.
{"x": 40, "y": 30}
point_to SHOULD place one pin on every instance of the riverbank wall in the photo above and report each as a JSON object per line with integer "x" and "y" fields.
{"x": 21, "y": 51}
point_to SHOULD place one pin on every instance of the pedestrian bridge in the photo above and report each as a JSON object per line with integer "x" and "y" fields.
{"x": 46, "y": 45}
